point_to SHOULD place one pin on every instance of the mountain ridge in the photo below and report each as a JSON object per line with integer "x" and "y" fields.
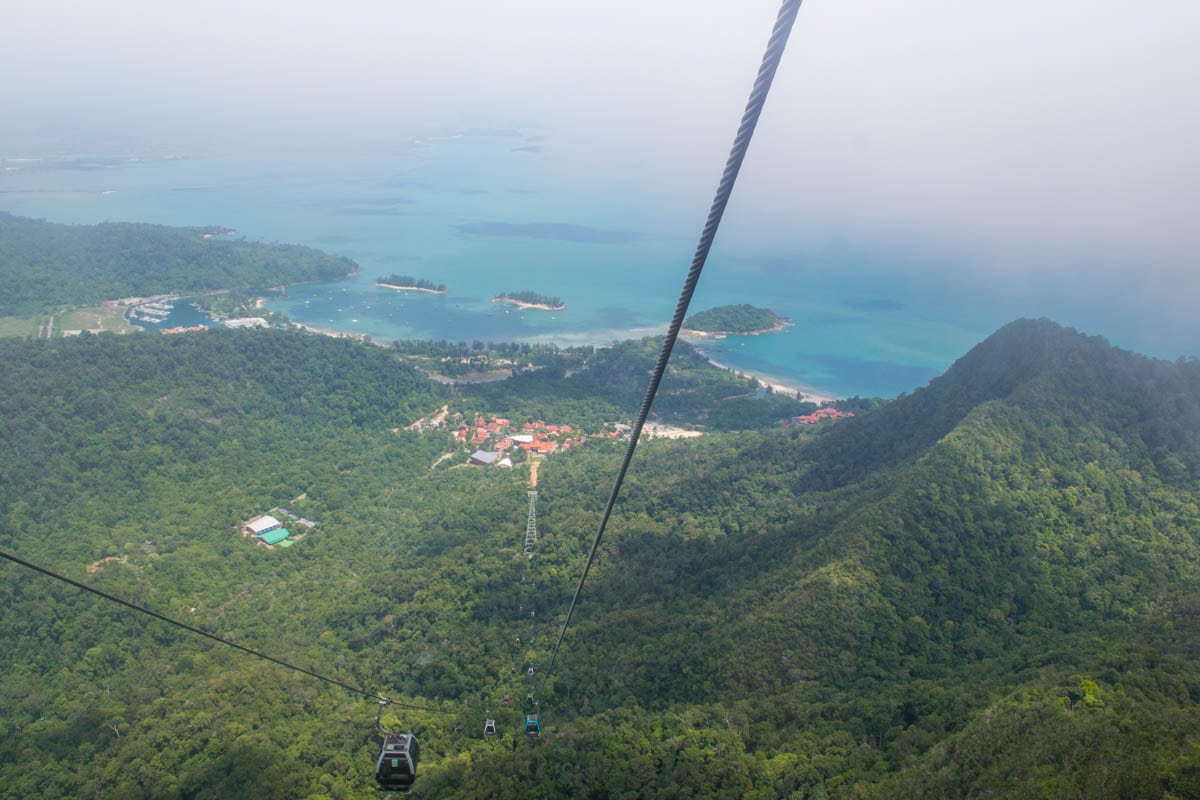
{"x": 998, "y": 600}
{"x": 1015, "y": 360}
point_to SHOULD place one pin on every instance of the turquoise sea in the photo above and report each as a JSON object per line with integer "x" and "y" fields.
{"x": 491, "y": 211}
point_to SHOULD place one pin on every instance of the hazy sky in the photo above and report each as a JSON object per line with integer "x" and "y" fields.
{"x": 1022, "y": 134}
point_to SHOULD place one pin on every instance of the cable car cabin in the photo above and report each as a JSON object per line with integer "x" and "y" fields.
{"x": 489, "y": 727}
{"x": 532, "y": 726}
{"x": 397, "y": 766}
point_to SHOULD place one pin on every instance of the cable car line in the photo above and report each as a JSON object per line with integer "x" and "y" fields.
{"x": 741, "y": 143}
{"x": 201, "y": 632}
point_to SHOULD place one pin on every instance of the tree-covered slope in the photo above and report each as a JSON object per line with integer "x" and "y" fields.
{"x": 44, "y": 264}
{"x": 1047, "y": 370}
{"x": 1046, "y": 537}
{"x": 999, "y": 602}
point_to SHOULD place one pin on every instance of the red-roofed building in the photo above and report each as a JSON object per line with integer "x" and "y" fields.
{"x": 825, "y": 412}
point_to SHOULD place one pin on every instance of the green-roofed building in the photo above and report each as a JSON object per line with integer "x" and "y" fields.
{"x": 274, "y": 537}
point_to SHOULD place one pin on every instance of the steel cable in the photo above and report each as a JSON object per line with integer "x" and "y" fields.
{"x": 741, "y": 143}
{"x": 201, "y": 632}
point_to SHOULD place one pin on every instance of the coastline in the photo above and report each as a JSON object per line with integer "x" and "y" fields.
{"x": 689, "y": 333}
{"x": 522, "y": 304}
{"x": 784, "y": 386}
{"x": 412, "y": 288}
{"x": 778, "y": 386}
{"x": 362, "y": 337}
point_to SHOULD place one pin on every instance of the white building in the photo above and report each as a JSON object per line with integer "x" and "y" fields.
{"x": 247, "y": 322}
{"x": 260, "y": 525}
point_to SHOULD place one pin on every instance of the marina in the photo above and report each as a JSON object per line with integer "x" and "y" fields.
{"x": 169, "y": 316}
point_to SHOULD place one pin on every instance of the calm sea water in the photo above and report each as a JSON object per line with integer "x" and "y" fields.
{"x": 489, "y": 213}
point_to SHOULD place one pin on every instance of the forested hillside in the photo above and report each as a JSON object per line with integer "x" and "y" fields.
{"x": 983, "y": 589}
{"x": 44, "y": 265}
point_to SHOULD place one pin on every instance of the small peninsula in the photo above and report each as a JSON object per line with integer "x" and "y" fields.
{"x": 409, "y": 283}
{"x": 735, "y": 320}
{"x": 531, "y": 300}
{"x": 48, "y": 266}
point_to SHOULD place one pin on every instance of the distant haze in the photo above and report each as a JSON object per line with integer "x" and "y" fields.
{"x": 1007, "y": 139}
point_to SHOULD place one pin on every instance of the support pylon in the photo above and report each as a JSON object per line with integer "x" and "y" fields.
{"x": 531, "y": 525}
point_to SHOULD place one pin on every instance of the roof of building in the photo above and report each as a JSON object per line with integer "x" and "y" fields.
{"x": 263, "y": 524}
{"x": 275, "y": 537}
{"x": 485, "y": 456}
{"x": 522, "y": 438}
{"x": 247, "y": 322}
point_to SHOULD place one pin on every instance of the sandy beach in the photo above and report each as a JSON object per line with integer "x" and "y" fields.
{"x": 688, "y": 333}
{"x": 334, "y": 334}
{"x": 412, "y": 288}
{"x": 779, "y": 387}
{"x": 523, "y": 305}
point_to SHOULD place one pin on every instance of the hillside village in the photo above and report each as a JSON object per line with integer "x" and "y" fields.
{"x": 823, "y": 413}
{"x": 495, "y": 441}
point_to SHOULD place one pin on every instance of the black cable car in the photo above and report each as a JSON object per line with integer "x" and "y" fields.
{"x": 397, "y": 766}
{"x": 489, "y": 727}
{"x": 532, "y": 726}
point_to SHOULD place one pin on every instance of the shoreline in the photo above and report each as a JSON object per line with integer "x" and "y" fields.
{"x": 362, "y": 337}
{"x": 690, "y": 333}
{"x": 412, "y": 288}
{"x": 522, "y": 304}
{"x": 784, "y": 386}
{"x": 777, "y": 385}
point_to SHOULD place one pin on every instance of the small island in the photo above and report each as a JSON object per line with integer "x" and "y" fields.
{"x": 735, "y": 320}
{"x": 531, "y": 300}
{"x": 409, "y": 283}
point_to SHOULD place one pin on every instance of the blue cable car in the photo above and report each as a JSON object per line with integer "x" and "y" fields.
{"x": 397, "y": 766}
{"x": 532, "y": 726}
